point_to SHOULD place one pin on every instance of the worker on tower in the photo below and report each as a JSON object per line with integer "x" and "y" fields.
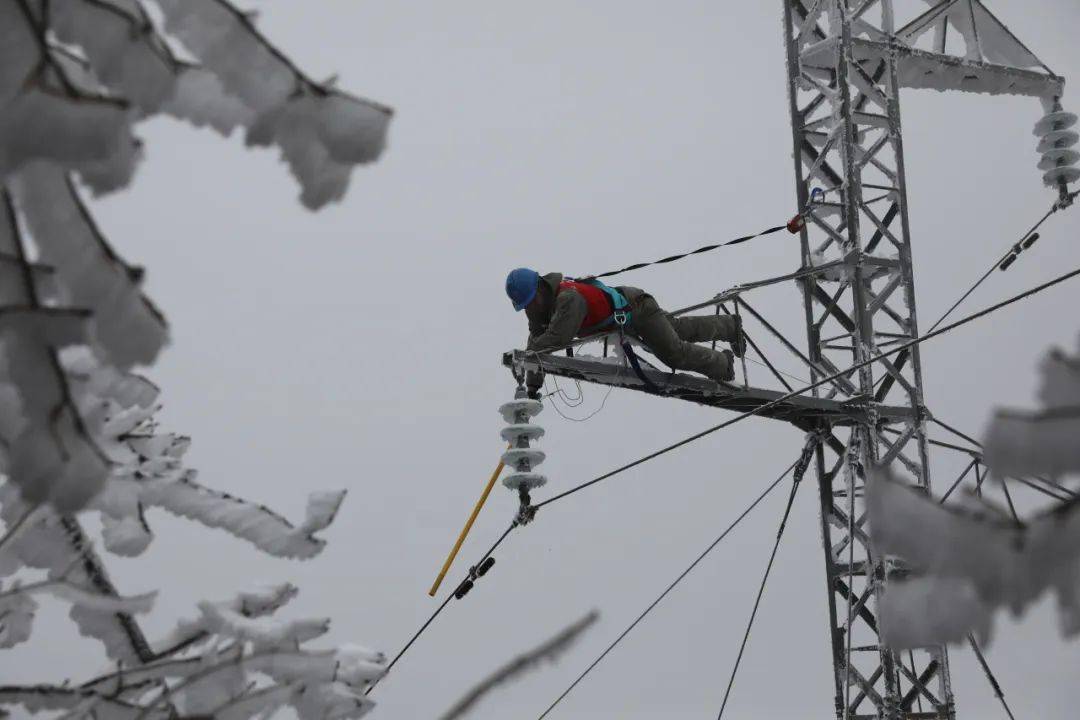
{"x": 559, "y": 310}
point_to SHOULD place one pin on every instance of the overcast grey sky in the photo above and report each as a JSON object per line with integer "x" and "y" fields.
{"x": 359, "y": 347}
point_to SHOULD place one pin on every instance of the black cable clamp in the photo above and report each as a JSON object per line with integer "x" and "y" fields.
{"x": 1018, "y": 248}
{"x": 475, "y": 573}
{"x": 812, "y": 441}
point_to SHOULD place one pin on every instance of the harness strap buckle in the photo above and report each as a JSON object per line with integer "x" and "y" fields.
{"x": 621, "y": 317}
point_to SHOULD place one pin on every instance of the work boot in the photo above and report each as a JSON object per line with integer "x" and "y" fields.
{"x": 722, "y": 368}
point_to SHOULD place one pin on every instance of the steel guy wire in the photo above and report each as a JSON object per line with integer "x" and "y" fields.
{"x": 670, "y": 587}
{"x": 849, "y": 620}
{"x": 800, "y": 469}
{"x": 990, "y": 676}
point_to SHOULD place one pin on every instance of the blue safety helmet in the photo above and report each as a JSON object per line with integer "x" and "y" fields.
{"x": 521, "y": 285}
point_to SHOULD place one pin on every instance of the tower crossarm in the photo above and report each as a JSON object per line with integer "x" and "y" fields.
{"x": 804, "y": 411}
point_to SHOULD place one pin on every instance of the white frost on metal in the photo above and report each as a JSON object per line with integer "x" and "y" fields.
{"x": 985, "y": 37}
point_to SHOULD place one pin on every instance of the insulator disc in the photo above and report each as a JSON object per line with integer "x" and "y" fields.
{"x": 1065, "y": 174}
{"x": 1060, "y": 157}
{"x": 1054, "y": 121}
{"x": 529, "y": 407}
{"x": 525, "y": 480}
{"x": 1058, "y": 139}
{"x": 511, "y": 433}
{"x": 515, "y": 455}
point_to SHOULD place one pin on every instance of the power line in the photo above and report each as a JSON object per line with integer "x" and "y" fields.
{"x": 990, "y": 676}
{"x": 1059, "y": 205}
{"x": 800, "y": 469}
{"x": 438, "y": 610}
{"x": 824, "y": 381}
{"x": 670, "y": 587}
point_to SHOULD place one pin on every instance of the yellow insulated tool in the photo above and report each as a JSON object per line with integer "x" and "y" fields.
{"x": 465, "y": 530}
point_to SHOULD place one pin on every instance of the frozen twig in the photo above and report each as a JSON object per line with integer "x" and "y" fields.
{"x": 549, "y": 651}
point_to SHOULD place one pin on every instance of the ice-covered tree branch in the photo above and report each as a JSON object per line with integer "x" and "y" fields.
{"x": 970, "y": 561}
{"x": 77, "y": 428}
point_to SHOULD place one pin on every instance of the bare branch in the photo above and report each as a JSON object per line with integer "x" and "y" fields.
{"x": 522, "y": 664}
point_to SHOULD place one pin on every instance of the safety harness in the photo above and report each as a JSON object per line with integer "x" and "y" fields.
{"x": 621, "y": 317}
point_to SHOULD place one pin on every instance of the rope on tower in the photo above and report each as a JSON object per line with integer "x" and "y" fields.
{"x": 793, "y": 226}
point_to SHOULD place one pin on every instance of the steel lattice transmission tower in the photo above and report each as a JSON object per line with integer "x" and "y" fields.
{"x": 847, "y": 61}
